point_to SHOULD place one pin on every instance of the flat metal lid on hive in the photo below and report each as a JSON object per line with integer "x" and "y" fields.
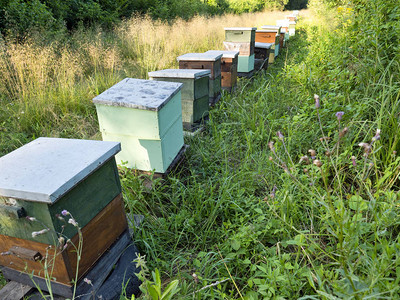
{"x": 263, "y": 45}
{"x": 139, "y": 94}
{"x": 225, "y": 53}
{"x": 180, "y": 73}
{"x": 47, "y": 168}
{"x": 199, "y": 57}
{"x": 271, "y": 27}
{"x": 240, "y": 28}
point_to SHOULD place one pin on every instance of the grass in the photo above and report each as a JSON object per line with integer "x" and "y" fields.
{"x": 245, "y": 216}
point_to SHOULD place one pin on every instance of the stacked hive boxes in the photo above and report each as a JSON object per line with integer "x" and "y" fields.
{"x": 284, "y": 27}
{"x": 241, "y": 39}
{"x": 195, "y": 92}
{"x": 267, "y": 39}
{"x": 41, "y": 180}
{"x": 145, "y": 116}
{"x": 275, "y": 32}
{"x": 229, "y": 66}
{"x": 207, "y": 61}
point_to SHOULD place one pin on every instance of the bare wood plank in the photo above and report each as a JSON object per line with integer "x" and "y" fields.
{"x": 14, "y": 291}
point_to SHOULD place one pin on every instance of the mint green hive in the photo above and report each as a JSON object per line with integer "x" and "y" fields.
{"x": 145, "y": 116}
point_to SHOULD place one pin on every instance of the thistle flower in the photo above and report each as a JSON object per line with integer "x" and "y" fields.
{"x": 271, "y": 146}
{"x": 339, "y": 115}
{"x": 317, "y": 103}
{"x": 61, "y": 241}
{"x": 353, "y": 160}
{"x": 366, "y": 146}
{"x": 280, "y": 135}
{"x": 65, "y": 212}
{"x": 318, "y": 163}
{"x": 88, "y": 281}
{"x": 43, "y": 231}
{"x": 377, "y": 135}
{"x": 272, "y": 195}
{"x": 305, "y": 159}
{"x": 343, "y": 132}
{"x": 313, "y": 153}
{"x": 73, "y": 222}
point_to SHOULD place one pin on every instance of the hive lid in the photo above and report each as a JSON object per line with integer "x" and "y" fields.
{"x": 139, "y": 94}
{"x": 263, "y": 45}
{"x": 240, "y": 28}
{"x": 199, "y": 57}
{"x": 47, "y": 168}
{"x": 225, "y": 53}
{"x": 180, "y": 73}
{"x": 271, "y": 27}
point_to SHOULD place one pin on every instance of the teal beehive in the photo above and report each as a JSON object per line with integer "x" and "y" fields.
{"x": 145, "y": 116}
{"x": 194, "y": 94}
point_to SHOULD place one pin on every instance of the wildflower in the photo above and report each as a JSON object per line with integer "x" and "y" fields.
{"x": 195, "y": 277}
{"x": 305, "y": 170}
{"x": 270, "y": 158}
{"x": 280, "y": 135}
{"x": 353, "y": 160}
{"x": 305, "y": 159}
{"x": 88, "y": 281}
{"x": 65, "y": 212}
{"x": 324, "y": 138}
{"x": 328, "y": 153}
{"x": 32, "y": 219}
{"x": 343, "y": 132}
{"x": 318, "y": 163}
{"x": 272, "y": 195}
{"x": 271, "y": 146}
{"x": 317, "y": 103}
{"x": 58, "y": 216}
{"x": 339, "y": 115}
{"x": 366, "y": 146}
{"x": 394, "y": 152}
{"x": 73, "y": 222}
{"x": 43, "y": 231}
{"x": 61, "y": 241}
{"x": 313, "y": 153}
{"x": 377, "y": 135}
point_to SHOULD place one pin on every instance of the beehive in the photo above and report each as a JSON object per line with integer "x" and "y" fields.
{"x": 241, "y": 39}
{"x": 145, "y": 116}
{"x": 208, "y": 61}
{"x": 267, "y": 37}
{"x": 229, "y": 65}
{"x": 194, "y": 92}
{"x": 273, "y": 30}
{"x": 284, "y": 27}
{"x": 262, "y": 53}
{"x": 45, "y": 177}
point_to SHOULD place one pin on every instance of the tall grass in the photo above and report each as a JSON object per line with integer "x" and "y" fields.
{"x": 46, "y": 89}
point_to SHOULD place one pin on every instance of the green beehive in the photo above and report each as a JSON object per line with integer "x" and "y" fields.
{"x": 203, "y": 61}
{"x": 49, "y": 175}
{"x": 195, "y": 91}
{"x": 145, "y": 116}
{"x": 277, "y": 31}
{"x": 241, "y": 39}
{"x": 229, "y": 64}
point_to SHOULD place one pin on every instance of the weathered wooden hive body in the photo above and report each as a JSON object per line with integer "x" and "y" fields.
{"x": 241, "y": 39}
{"x": 275, "y": 32}
{"x": 206, "y": 61}
{"x": 284, "y": 27}
{"x": 40, "y": 180}
{"x": 267, "y": 37}
{"x": 229, "y": 66}
{"x": 195, "y": 91}
{"x": 145, "y": 116}
{"x": 262, "y": 53}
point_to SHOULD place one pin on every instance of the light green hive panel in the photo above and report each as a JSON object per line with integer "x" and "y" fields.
{"x": 246, "y": 63}
{"x": 193, "y": 111}
{"x": 240, "y": 34}
{"x": 215, "y": 87}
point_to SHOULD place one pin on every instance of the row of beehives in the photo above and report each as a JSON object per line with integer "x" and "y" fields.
{"x": 50, "y": 179}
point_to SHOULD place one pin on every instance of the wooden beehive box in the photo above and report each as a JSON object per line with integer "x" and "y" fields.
{"x": 241, "y": 39}
{"x": 194, "y": 92}
{"x": 262, "y": 54}
{"x": 273, "y": 30}
{"x": 284, "y": 27}
{"x": 208, "y": 61}
{"x": 229, "y": 66}
{"x": 45, "y": 177}
{"x": 292, "y": 18}
{"x": 145, "y": 116}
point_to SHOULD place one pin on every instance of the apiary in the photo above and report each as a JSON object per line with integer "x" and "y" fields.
{"x": 241, "y": 39}
{"x": 205, "y": 61}
{"x": 194, "y": 93}
{"x": 284, "y": 28}
{"x": 43, "y": 185}
{"x": 229, "y": 66}
{"x": 145, "y": 116}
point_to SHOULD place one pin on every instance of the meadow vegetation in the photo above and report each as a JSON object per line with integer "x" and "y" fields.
{"x": 292, "y": 189}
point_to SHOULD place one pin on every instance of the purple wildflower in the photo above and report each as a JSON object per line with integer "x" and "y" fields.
{"x": 65, "y": 212}
{"x": 339, "y": 115}
{"x": 280, "y": 135}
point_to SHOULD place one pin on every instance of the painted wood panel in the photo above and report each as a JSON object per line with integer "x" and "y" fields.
{"x": 246, "y": 63}
{"x": 239, "y": 35}
{"x": 245, "y": 48}
{"x": 214, "y": 66}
